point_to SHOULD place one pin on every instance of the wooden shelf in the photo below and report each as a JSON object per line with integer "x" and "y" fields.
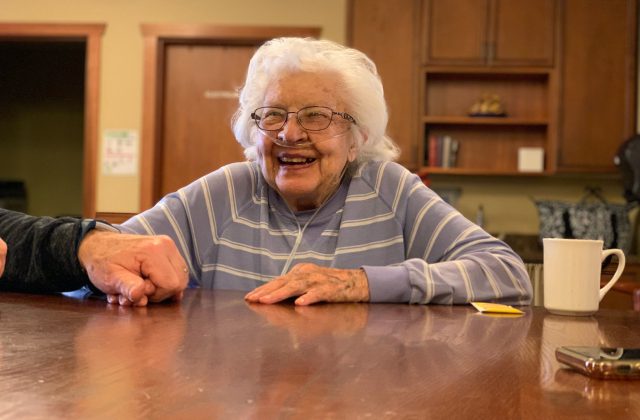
{"x": 486, "y": 146}
{"x": 431, "y": 170}
{"x": 464, "y": 120}
{"x": 517, "y": 72}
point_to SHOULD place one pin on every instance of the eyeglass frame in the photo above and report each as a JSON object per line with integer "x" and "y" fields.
{"x": 256, "y": 118}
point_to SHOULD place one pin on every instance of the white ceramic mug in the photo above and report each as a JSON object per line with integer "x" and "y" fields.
{"x": 572, "y": 270}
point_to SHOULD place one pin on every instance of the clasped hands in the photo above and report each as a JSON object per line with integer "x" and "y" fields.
{"x": 312, "y": 283}
{"x": 133, "y": 269}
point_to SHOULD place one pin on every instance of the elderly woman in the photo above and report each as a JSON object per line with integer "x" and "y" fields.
{"x": 320, "y": 212}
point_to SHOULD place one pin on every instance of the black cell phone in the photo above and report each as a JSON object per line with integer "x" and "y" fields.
{"x": 602, "y": 362}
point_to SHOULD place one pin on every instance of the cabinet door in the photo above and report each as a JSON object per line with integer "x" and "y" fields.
{"x": 456, "y": 31}
{"x": 387, "y": 31}
{"x": 490, "y": 32}
{"x": 598, "y": 83}
{"x": 523, "y": 32}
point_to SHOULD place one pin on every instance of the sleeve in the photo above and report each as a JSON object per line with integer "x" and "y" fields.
{"x": 449, "y": 259}
{"x": 42, "y": 253}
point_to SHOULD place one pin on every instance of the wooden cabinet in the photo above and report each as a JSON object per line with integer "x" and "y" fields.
{"x": 564, "y": 70}
{"x": 386, "y": 31}
{"x": 489, "y": 32}
{"x": 598, "y": 94}
{"x": 475, "y": 49}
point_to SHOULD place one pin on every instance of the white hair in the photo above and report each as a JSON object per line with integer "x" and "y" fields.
{"x": 364, "y": 94}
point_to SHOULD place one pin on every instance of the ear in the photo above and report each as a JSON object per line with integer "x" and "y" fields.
{"x": 354, "y": 149}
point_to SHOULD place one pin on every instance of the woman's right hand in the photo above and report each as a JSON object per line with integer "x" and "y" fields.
{"x": 3, "y": 255}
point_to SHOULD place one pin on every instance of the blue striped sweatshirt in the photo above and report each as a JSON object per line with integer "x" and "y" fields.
{"x": 236, "y": 232}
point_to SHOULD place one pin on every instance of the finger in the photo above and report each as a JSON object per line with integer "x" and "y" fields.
{"x": 265, "y": 289}
{"x": 167, "y": 279}
{"x": 290, "y": 289}
{"x": 129, "y": 285}
{"x": 179, "y": 273}
{"x": 123, "y": 301}
{"x": 179, "y": 265}
{"x": 112, "y": 298}
{"x": 142, "y": 301}
{"x": 307, "y": 299}
{"x": 149, "y": 288}
{"x": 315, "y": 295}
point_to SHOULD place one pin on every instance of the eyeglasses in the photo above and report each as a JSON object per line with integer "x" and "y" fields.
{"x": 311, "y": 118}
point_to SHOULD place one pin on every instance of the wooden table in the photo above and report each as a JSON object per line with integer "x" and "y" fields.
{"x": 215, "y": 356}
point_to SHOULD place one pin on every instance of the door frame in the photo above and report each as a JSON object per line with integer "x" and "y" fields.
{"x": 91, "y": 34}
{"x": 156, "y": 39}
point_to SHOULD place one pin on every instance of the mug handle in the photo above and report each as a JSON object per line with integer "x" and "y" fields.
{"x": 617, "y": 274}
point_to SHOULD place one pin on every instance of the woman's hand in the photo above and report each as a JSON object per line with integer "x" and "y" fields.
{"x": 3, "y": 255}
{"x": 312, "y": 284}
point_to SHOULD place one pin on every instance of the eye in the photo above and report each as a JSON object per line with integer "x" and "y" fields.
{"x": 272, "y": 113}
{"x": 271, "y": 118}
{"x": 316, "y": 114}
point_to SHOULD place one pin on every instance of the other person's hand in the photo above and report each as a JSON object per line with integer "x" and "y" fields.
{"x": 313, "y": 283}
{"x": 3, "y": 255}
{"x": 133, "y": 269}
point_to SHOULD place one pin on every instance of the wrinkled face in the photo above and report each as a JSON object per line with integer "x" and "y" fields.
{"x": 305, "y": 176}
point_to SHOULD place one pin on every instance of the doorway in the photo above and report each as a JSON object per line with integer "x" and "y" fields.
{"x": 191, "y": 80}
{"x": 41, "y": 126}
{"x": 48, "y": 115}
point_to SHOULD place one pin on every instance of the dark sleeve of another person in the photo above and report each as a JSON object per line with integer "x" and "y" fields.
{"x": 41, "y": 253}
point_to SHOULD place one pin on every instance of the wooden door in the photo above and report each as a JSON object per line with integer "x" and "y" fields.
{"x": 523, "y": 32}
{"x": 598, "y": 109}
{"x": 456, "y": 31}
{"x": 387, "y": 31}
{"x": 192, "y": 73}
{"x": 201, "y": 94}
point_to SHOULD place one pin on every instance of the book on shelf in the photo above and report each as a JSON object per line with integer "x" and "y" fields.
{"x": 442, "y": 151}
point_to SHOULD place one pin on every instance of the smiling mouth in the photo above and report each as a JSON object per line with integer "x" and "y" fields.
{"x": 283, "y": 160}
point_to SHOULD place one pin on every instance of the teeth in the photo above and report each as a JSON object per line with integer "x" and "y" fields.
{"x": 294, "y": 159}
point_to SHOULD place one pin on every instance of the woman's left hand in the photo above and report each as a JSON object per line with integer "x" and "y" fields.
{"x": 312, "y": 284}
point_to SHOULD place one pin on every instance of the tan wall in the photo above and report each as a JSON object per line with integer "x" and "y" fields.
{"x": 121, "y": 71}
{"x": 507, "y": 202}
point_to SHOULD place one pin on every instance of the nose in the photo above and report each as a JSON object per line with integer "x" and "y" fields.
{"x": 292, "y": 131}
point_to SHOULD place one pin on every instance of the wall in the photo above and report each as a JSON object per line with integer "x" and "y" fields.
{"x": 507, "y": 202}
{"x": 121, "y": 70}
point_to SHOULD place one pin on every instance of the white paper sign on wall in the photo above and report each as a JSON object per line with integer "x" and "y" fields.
{"x": 120, "y": 152}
